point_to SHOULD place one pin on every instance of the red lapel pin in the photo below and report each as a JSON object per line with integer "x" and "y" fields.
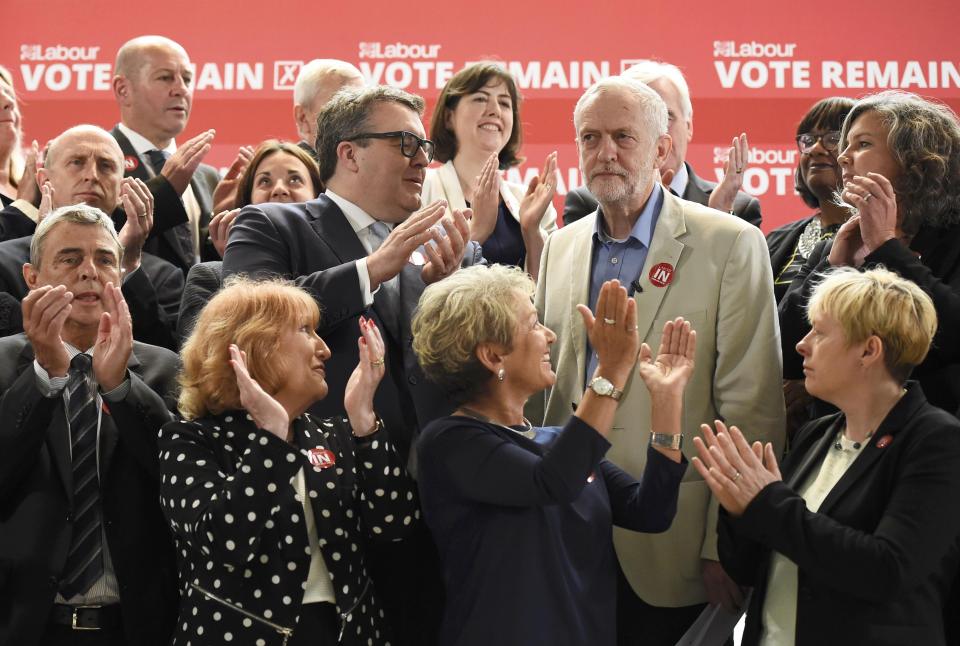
{"x": 884, "y": 441}
{"x": 130, "y": 163}
{"x": 661, "y": 274}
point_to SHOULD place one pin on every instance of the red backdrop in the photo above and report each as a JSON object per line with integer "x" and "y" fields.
{"x": 750, "y": 67}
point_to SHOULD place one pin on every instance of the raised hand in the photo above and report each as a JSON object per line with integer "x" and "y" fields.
{"x": 225, "y": 195}
{"x": 738, "y": 158}
{"x": 45, "y": 309}
{"x": 181, "y": 166}
{"x": 27, "y": 188}
{"x": 267, "y": 413}
{"x": 734, "y": 470}
{"x": 219, "y": 229}
{"x": 363, "y": 382}
{"x": 672, "y": 368}
{"x": 848, "y": 248}
{"x": 114, "y": 340}
{"x": 613, "y": 331}
{"x": 387, "y": 261}
{"x": 137, "y": 203}
{"x": 485, "y": 202}
{"x": 540, "y": 193}
{"x": 876, "y": 204}
{"x": 46, "y": 201}
{"x": 445, "y": 250}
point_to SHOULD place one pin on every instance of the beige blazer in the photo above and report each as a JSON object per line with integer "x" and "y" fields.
{"x": 443, "y": 183}
{"x": 722, "y": 284}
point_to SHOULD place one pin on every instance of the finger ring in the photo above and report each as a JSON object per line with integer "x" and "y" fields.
{"x": 377, "y": 363}
{"x": 142, "y": 215}
{"x": 632, "y": 328}
{"x": 609, "y": 321}
{"x": 867, "y": 196}
{"x": 739, "y": 170}
{"x": 737, "y": 476}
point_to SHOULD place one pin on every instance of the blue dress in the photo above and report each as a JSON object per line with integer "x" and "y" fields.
{"x": 525, "y": 529}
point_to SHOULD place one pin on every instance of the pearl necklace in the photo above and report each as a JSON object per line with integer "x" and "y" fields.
{"x": 527, "y": 431}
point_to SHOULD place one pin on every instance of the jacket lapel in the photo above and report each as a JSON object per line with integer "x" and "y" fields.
{"x": 664, "y": 248}
{"x": 898, "y": 417}
{"x": 451, "y": 186}
{"x": 333, "y": 228}
{"x": 697, "y": 190}
{"x": 109, "y": 433}
{"x": 130, "y": 157}
{"x": 58, "y": 435}
{"x": 814, "y": 455}
{"x": 581, "y": 258}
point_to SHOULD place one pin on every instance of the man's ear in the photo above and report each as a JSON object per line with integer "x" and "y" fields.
{"x": 300, "y": 118}
{"x": 347, "y": 156}
{"x": 121, "y": 89}
{"x": 664, "y": 144}
{"x": 30, "y": 275}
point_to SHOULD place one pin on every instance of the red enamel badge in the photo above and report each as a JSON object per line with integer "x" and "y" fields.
{"x": 321, "y": 458}
{"x": 661, "y": 274}
{"x": 884, "y": 441}
{"x": 130, "y": 163}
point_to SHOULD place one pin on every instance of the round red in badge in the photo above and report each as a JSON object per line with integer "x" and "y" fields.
{"x": 661, "y": 274}
{"x": 130, "y": 163}
{"x": 884, "y": 441}
{"x": 321, "y": 458}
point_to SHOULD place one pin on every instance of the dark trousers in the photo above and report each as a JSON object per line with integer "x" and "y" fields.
{"x": 640, "y": 624}
{"x": 57, "y": 635}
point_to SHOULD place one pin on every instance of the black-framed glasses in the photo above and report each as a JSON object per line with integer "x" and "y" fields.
{"x": 829, "y": 140}
{"x": 409, "y": 142}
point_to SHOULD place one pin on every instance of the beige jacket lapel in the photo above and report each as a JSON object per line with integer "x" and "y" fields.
{"x": 664, "y": 248}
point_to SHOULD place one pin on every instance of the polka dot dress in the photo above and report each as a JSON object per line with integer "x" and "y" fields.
{"x": 227, "y": 490}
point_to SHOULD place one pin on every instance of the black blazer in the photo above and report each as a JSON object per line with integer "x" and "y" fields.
{"x": 35, "y": 497}
{"x": 171, "y": 237}
{"x": 878, "y": 559}
{"x": 782, "y": 242}
{"x": 14, "y": 223}
{"x": 936, "y": 271}
{"x": 580, "y": 202}
{"x": 152, "y": 293}
{"x": 227, "y": 490}
{"x": 313, "y": 244}
{"x": 203, "y": 281}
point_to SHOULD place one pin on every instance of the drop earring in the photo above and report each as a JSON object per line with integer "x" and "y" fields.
{"x": 501, "y": 373}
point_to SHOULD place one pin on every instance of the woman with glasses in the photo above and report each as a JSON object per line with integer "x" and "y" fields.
{"x": 817, "y": 180}
{"x": 477, "y": 130}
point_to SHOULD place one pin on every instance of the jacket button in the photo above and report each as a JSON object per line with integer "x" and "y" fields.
{"x": 413, "y": 379}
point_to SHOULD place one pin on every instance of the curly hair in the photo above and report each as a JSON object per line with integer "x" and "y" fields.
{"x": 471, "y": 307}
{"x": 252, "y": 314}
{"x": 264, "y": 150}
{"x": 924, "y": 136}
{"x": 467, "y": 81}
{"x": 879, "y": 303}
{"x": 825, "y": 114}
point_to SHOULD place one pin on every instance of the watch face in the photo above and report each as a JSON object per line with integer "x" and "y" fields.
{"x": 602, "y": 386}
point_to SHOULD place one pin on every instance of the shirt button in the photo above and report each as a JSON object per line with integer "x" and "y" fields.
{"x": 614, "y": 260}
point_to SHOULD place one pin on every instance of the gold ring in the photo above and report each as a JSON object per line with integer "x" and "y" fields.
{"x": 867, "y": 196}
{"x": 609, "y": 321}
{"x": 377, "y": 363}
{"x": 737, "y": 476}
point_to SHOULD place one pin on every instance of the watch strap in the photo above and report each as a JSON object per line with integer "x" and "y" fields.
{"x": 667, "y": 440}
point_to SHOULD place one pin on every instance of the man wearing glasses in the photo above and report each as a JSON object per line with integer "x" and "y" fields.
{"x": 366, "y": 247}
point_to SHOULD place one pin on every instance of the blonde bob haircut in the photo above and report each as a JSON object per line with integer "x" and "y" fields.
{"x": 471, "y": 307}
{"x": 881, "y": 303}
{"x": 254, "y": 315}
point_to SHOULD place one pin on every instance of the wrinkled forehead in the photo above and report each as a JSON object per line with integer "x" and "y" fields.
{"x": 85, "y": 144}
{"x": 610, "y": 109}
{"x": 85, "y": 238}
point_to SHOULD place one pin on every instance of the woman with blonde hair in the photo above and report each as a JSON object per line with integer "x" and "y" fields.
{"x": 271, "y": 508}
{"x": 523, "y": 517}
{"x": 857, "y": 541}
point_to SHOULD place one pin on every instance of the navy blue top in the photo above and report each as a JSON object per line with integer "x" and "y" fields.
{"x": 505, "y": 245}
{"x": 525, "y": 529}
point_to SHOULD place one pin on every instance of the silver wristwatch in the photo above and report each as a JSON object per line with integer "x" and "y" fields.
{"x": 605, "y": 388}
{"x": 667, "y": 440}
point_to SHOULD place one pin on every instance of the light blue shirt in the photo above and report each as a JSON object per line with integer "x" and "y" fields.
{"x": 621, "y": 259}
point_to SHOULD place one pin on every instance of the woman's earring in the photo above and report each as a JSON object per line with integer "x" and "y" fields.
{"x": 501, "y": 373}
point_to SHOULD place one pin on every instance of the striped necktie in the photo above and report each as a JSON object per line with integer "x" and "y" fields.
{"x": 84, "y": 563}
{"x": 389, "y": 295}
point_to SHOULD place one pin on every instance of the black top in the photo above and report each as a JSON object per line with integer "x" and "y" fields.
{"x": 505, "y": 245}
{"x": 786, "y": 258}
{"x": 524, "y": 529}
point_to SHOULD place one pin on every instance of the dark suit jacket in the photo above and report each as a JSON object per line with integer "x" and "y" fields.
{"x": 936, "y": 271}
{"x": 152, "y": 293}
{"x": 580, "y": 202}
{"x": 14, "y": 223}
{"x": 228, "y": 552}
{"x": 203, "y": 281}
{"x": 782, "y": 242}
{"x": 877, "y": 560}
{"x": 36, "y": 492}
{"x": 314, "y": 245}
{"x": 171, "y": 238}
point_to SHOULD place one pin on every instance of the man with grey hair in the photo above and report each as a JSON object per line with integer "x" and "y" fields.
{"x": 677, "y": 258}
{"x": 83, "y": 403}
{"x": 667, "y": 80}
{"x": 153, "y": 87}
{"x": 316, "y": 84}
{"x": 84, "y": 165}
{"x": 366, "y": 248}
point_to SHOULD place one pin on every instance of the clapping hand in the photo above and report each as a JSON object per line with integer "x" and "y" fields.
{"x": 485, "y": 202}
{"x": 181, "y": 166}
{"x": 225, "y": 195}
{"x": 267, "y": 413}
{"x": 114, "y": 340}
{"x": 445, "y": 250}
{"x": 738, "y": 158}
{"x": 539, "y": 195}
{"x": 137, "y": 203}
{"x": 670, "y": 371}
{"x": 392, "y": 255}
{"x": 876, "y": 203}
{"x": 363, "y": 382}
{"x": 613, "y": 332}
{"x": 734, "y": 470}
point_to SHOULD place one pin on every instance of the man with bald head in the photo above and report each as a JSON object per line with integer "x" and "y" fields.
{"x": 84, "y": 165}
{"x": 153, "y": 87}
{"x": 316, "y": 84}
